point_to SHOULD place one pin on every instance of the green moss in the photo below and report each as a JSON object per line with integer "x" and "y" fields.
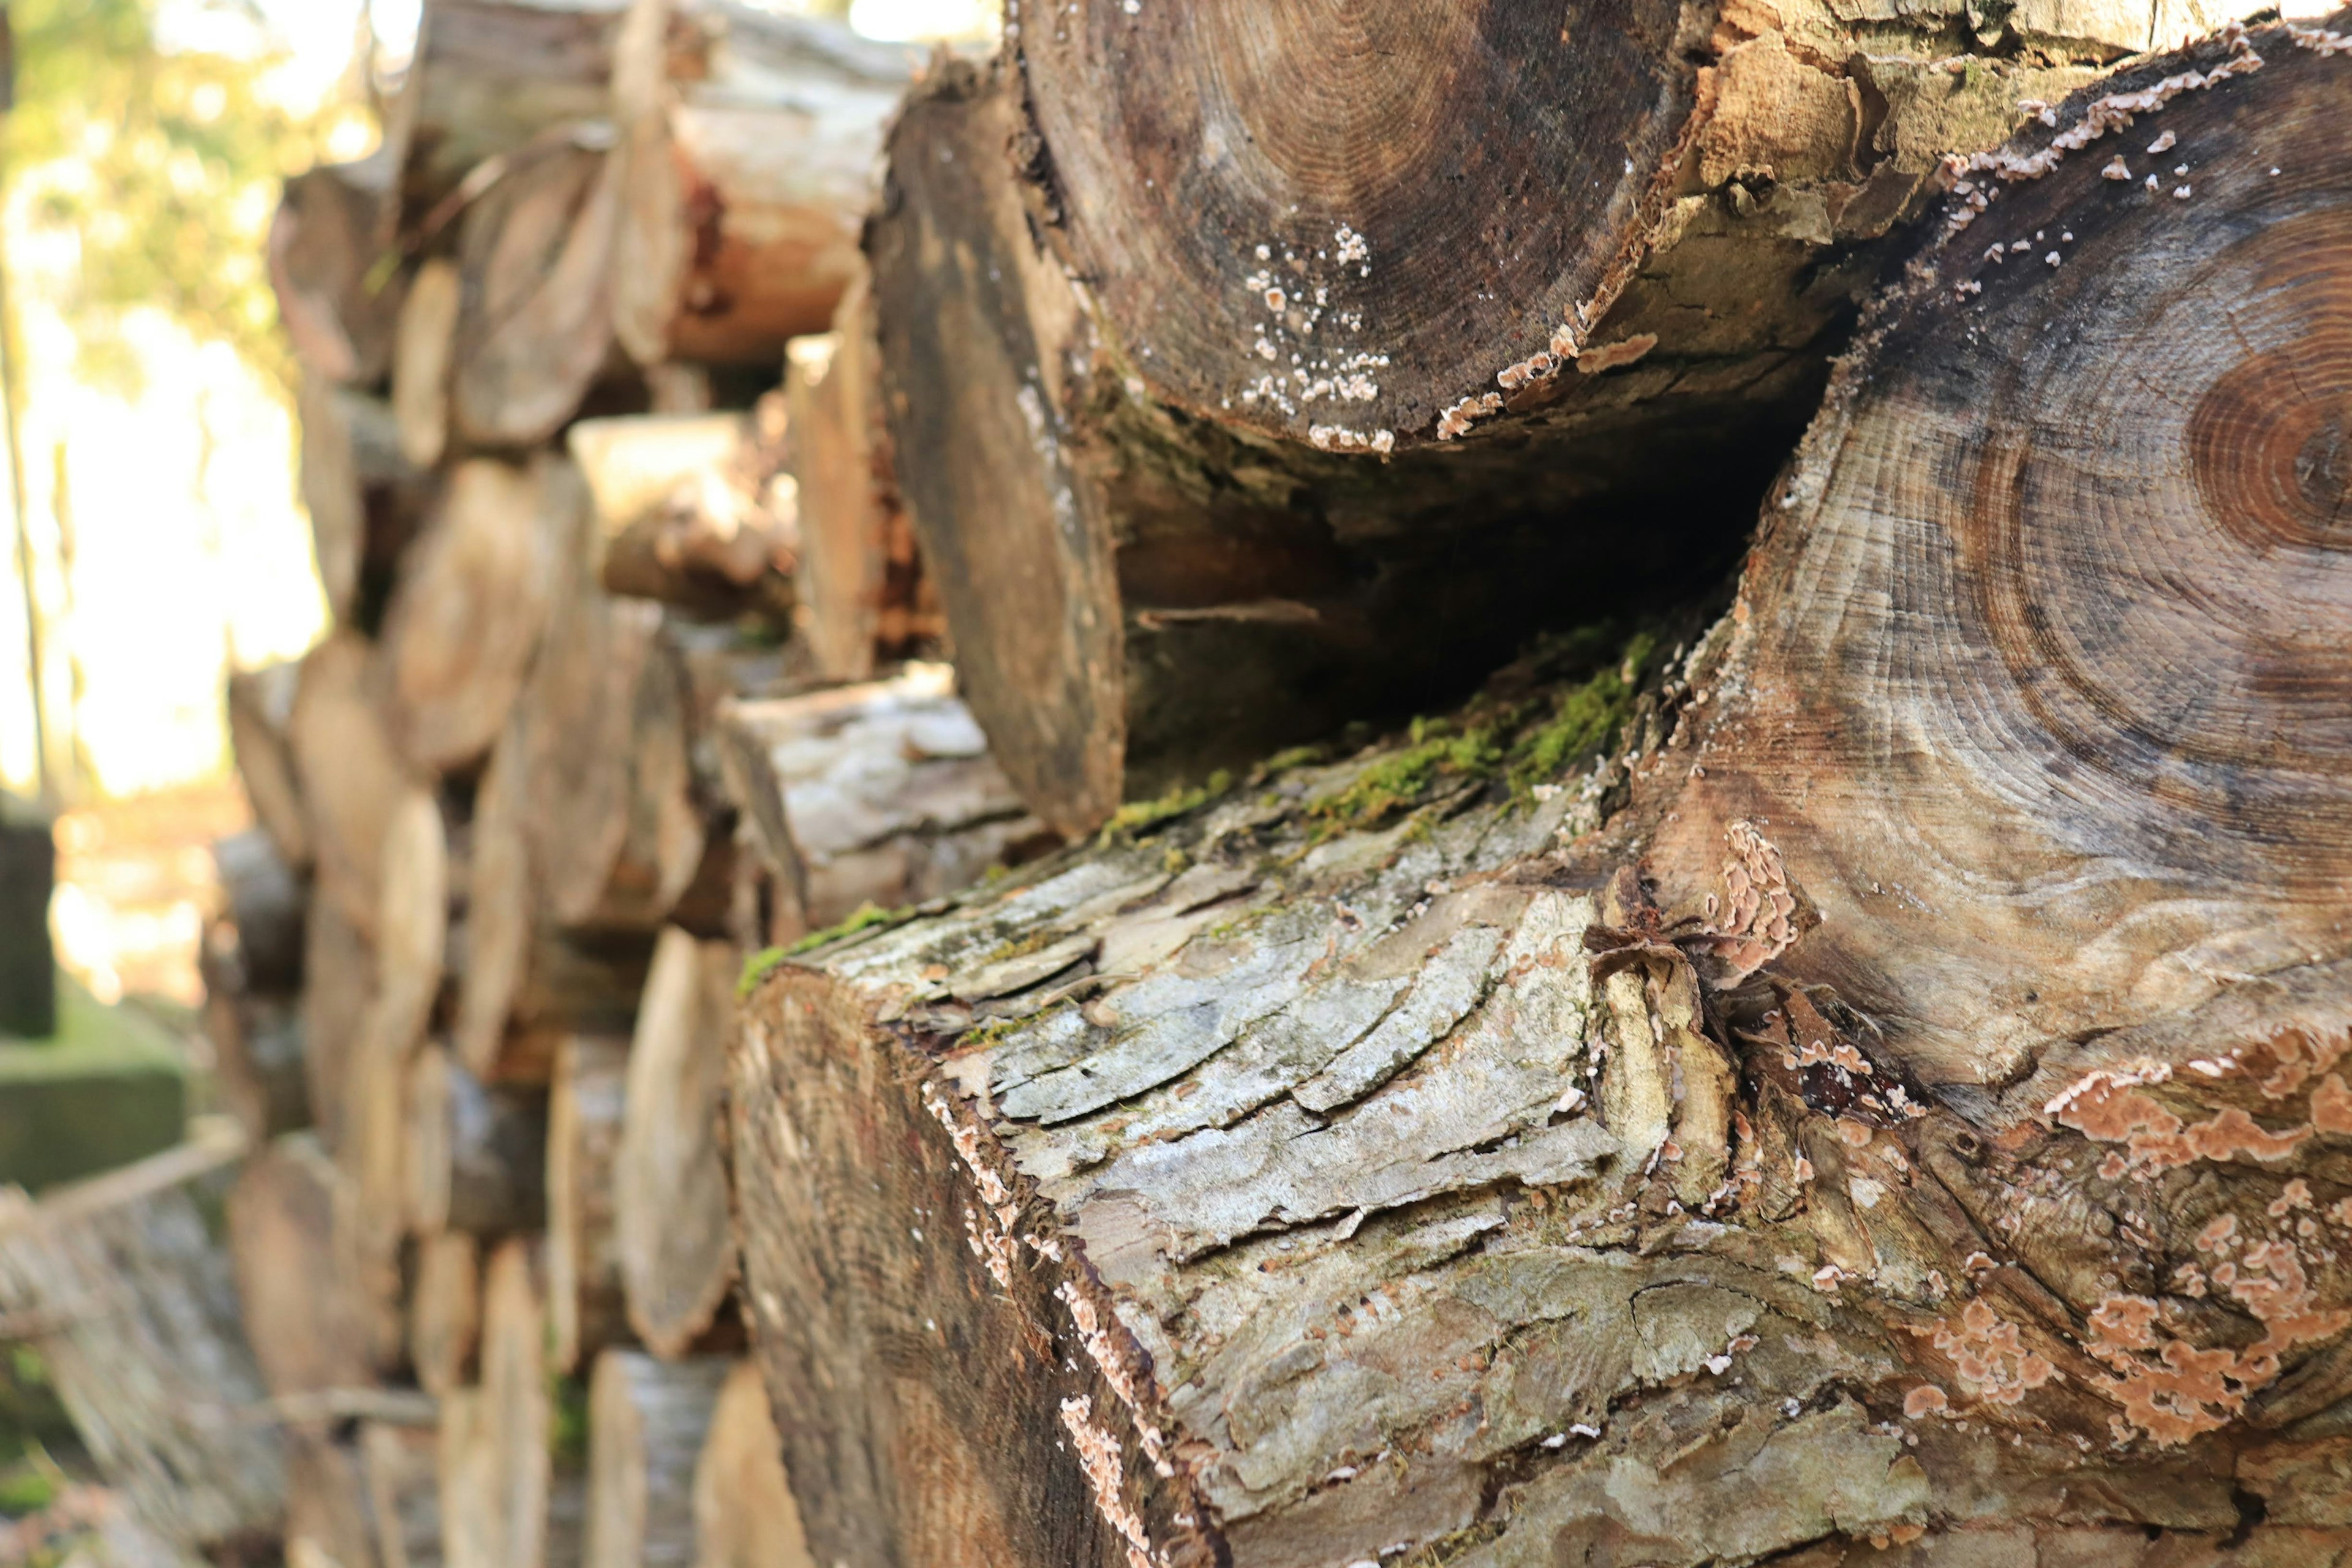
{"x": 1138, "y": 817}
{"x": 1588, "y": 723}
{"x": 1433, "y": 752}
{"x": 24, "y": 1490}
{"x": 567, "y": 1436}
{"x": 865, "y": 918}
{"x": 756, "y": 968}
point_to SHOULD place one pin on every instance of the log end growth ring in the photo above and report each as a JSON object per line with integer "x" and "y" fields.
{"x": 1329, "y": 220}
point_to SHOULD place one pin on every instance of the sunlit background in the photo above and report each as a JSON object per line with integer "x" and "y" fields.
{"x": 156, "y": 444}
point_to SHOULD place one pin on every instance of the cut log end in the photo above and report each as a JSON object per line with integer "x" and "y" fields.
{"x": 745, "y": 1515}
{"x": 647, "y": 1421}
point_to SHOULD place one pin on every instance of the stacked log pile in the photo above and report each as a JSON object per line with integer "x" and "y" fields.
{"x": 1829, "y": 1050}
{"x": 471, "y": 980}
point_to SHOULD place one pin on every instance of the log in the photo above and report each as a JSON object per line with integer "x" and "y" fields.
{"x": 445, "y": 1310}
{"x": 748, "y": 172}
{"x": 1369, "y": 1161}
{"x": 647, "y": 1421}
{"x": 881, "y": 794}
{"x": 744, "y": 1513}
{"x": 332, "y": 227}
{"x": 526, "y": 983}
{"x": 472, "y": 599}
{"x": 338, "y": 983}
{"x": 494, "y": 1468}
{"x": 689, "y": 511}
{"x": 329, "y": 1514}
{"x": 534, "y": 320}
{"x": 669, "y": 1182}
{"x": 586, "y": 1310}
{"x": 475, "y": 1158}
{"x": 403, "y": 1493}
{"x": 424, "y": 350}
{"x": 142, "y": 1344}
{"x": 1271, "y": 374}
{"x": 865, "y": 598}
{"x": 364, "y": 499}
{"x": 290, "y": 1237}
{"x": 616, "y": 832}
{"x": 261, "y": 711}
{"x": 350, "y": 775}
{"x": 490, "y": 77}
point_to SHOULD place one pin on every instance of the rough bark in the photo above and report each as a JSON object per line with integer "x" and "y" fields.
{"x": 527, "y": 984}
{"x": 750, "y": 143}
{"x": 472, "y": 599}
{"x": 142, "y": 1341}
{"x": 491, "y": 78}
{"x": 744, "y": 1513}
{"x": 534, "y": 320}
{"x": 350, "y": 774}
{"x": 669, "y": 1181}
{"x": 290, "y": 1237}
{"x": 476, "y": 1157}
{"x": 261, "y": 711}
{"x": 688, "y": 512}
{"x": 647, "y": 1421}
{"x": 861, "y": 584}
{"x": 1856, "y": 1149}
{"x": 881, "y": 794}
{"x": 586, "y": 1310}
{"x": 332, "y": 227}
{"x": 1272, "y": 371}
{"x": 445, "y": 1310}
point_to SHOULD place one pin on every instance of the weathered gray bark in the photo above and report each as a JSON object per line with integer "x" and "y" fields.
{"x": 1828, "y": 1132}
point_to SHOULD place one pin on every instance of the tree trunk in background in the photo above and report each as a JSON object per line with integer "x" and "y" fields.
{"x": 744, "y": 1513}
{"x": 333, "y": 226}
{"x": 860, "y": 579}
{"x": 471, "y": 601}
{"x": 475, "y": 1158}
{"x": 445, "y": 1310}
{"x": 669, "y": 1181}
{"x": 261, "y": 714}
{"x": 748, "y": 142}
{"x": 647, "y": 1421}
{"x": 587, "y": 1308}
{"x": 1857, "y": 1135}
{"x": 879, "y": 794}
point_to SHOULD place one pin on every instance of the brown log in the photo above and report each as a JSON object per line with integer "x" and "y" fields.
{"x": 445, "y": 1310}
{"x": 489, "y": 78}
{"x": 534, "y": 321}
{"x": 744, "y": 1513}
{"x": 472, "y": 599}
{"x": 260, "y": 710}
{"x": 412, "y": 938}
{"x": 350, "y": 774}
{"x": 881, "y": 794}
{"x": 865, "y": 598}
{"x": 669, "y": 1182}
{"x": 364, "y": 499}
{"x": 586, "y": 1310}
{"x": 495, "y": 1466}
{"x": 424, "y": 350}
{"x": 1270, "y": 373}
{"x": 338, "y": 984}
{"x": 290, "y": 1237}
{"x": 527, "y": 984}
{"x": 475, "y": 1158}
{"x": 749, "y": 169}
{"x": 403, "y": 1493}
{"x": 616, "y": 833}
{"x": 688, "y": 510}
{"x": 1853, "y": 1137}
{"x": 134, "y": 1312}
{"x": 329, "y": 1513}
{"x": 647, "y": 1423}
{"x": 338, "y": 304}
